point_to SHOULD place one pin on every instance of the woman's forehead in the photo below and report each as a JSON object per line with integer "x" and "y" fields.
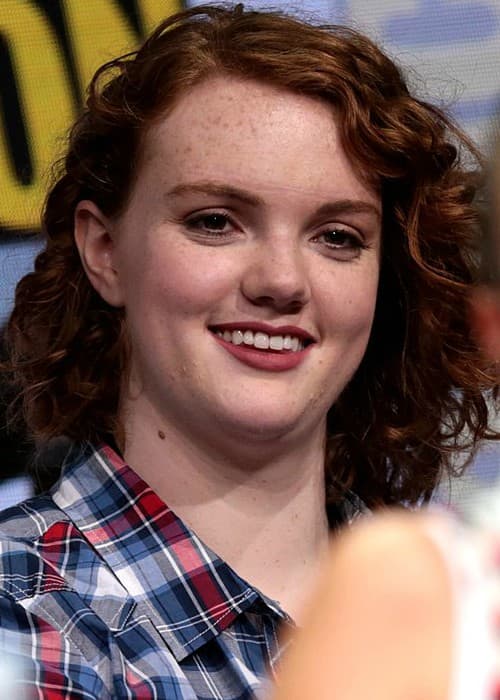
{"x": 248, "y": 132}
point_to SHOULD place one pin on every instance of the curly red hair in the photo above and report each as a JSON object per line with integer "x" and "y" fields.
{"x": 419, "y": 393}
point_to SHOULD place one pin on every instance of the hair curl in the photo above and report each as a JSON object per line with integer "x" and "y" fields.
{"x": 419, "y": 393}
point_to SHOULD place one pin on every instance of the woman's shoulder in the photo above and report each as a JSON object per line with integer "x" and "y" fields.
{"x": 29, "y": 520}
{"x": 35, "y": 535}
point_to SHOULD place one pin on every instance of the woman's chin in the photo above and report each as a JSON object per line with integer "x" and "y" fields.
{"x": 265, "y": 424}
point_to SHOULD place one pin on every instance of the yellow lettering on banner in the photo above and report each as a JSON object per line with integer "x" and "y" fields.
{"x": 45, "y": 99}
{"x": 154, "y": 11}
{"x": 99, "y": 31}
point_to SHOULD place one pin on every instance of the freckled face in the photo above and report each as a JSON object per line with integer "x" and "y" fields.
{"x": 246, "y": 215}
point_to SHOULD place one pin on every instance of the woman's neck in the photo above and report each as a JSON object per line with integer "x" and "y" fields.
{"x": 259, "y": 507}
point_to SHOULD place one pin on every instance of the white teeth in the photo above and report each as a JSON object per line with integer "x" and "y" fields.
{"x": 262, "y": 341}
{"x": 237, "y": 337}
{"x": 276, "y": 342}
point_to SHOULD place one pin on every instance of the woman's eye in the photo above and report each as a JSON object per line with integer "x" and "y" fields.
{"x": 339, "y": 238}
{"x": 342, "y": 242}
{"x": 213, "y": 224}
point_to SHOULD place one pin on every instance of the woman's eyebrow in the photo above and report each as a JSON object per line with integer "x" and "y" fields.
{"x": 349, "y": 206}
{"x": 215, "y": 188}
{"x": 333, "y": 208}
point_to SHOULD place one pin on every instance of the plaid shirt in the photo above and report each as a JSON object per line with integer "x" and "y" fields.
{"x": 105, "y": 593}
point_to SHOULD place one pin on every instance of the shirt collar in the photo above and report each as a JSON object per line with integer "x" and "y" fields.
{"x": 347, "y": 510}
{"x": 189, "y": 594}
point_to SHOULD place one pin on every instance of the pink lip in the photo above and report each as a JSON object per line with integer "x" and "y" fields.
{"x": 256, "y": 326}
{"x": 269, "y": 360}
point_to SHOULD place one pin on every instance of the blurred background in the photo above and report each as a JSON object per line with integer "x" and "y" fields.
{"x": 49, "y": 50}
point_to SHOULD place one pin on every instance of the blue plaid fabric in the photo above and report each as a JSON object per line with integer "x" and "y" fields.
{"x": 105, "y": 593}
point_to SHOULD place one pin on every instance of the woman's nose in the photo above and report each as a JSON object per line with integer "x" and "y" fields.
{"x": 277, "y": 277}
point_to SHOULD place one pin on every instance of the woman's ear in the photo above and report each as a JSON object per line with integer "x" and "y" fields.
{"x": 485, "y": 319}
{"x": 96, "y": 245}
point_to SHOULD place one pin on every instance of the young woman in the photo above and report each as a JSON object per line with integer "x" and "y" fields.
{"x": 250, "y": 319}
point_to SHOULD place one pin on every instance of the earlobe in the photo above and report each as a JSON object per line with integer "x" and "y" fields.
{"x": 485, "y": 319}
{"x": 96, "y": 245}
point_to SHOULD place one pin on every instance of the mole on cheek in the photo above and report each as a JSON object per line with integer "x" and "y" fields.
{"x": 161, "y": 435}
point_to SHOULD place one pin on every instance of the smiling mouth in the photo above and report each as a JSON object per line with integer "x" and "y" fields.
{"x": 263, "y": 341}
